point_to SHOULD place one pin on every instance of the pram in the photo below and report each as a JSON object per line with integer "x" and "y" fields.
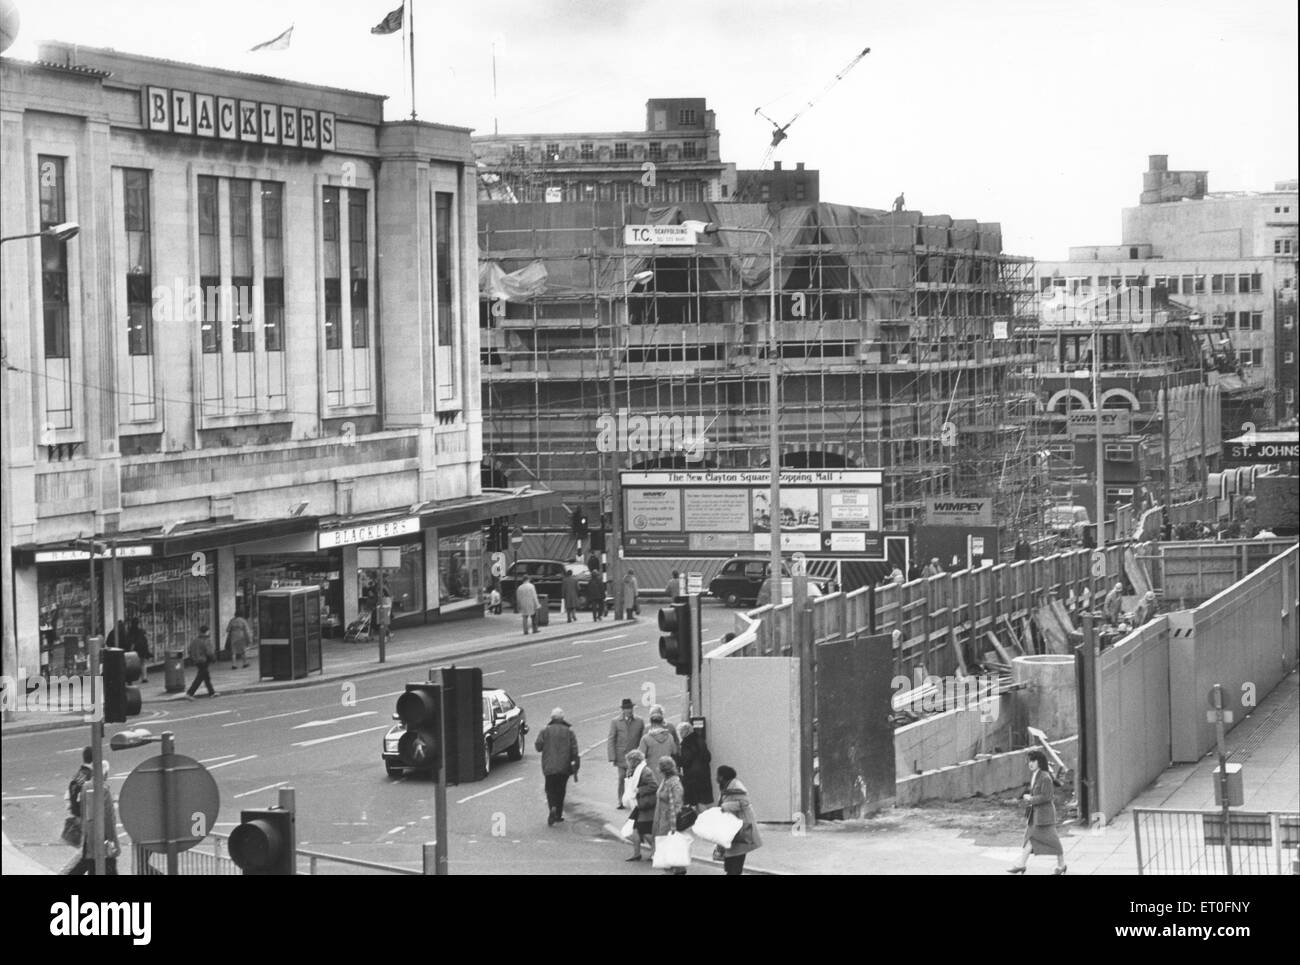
{"x": 358, "y": 630}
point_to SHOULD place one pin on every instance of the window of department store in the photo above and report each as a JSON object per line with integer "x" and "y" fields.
{"x": 63, "y": 598}
{"x": 172, "y": 598}
{"x": 254, "y": 574}
{"x": 406, "y": 583}
{"x": 460, "y": 571}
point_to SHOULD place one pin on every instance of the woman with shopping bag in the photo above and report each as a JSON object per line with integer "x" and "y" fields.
{"x": 734, "y": 800}
{"x": 672, "y": 849}
{"x": 639, "y": 795}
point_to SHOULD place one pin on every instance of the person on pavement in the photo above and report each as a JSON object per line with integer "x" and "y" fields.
{"x": 631, "y": 596}
{"x": 668, "y": 804}
{"x": 1114, "y": 604}
{"x": 1040, "y": 817}
{"x": 659, "y": 741}
{"x": 202, "y": 655}
{"x": 625, "y": 733}
{"x": 674, "y": 587}
{"x": 239, "y": 637}
{"x": 596, "y": 596}
{"x": 933, "y": 568}
{"x": 558, "y": 746}
{"x": 526, "y": 603}
{"x": 1023, "y": 550}
{"x": 139, "y": 643}
{"x": 384, "y": 617}
{"x": 569, "y": 593}
{"x": 84, "y": 862}
{"x": 734, "y": 799}
{"x": 642, "y": 789}
{"x": 697, "y": 783}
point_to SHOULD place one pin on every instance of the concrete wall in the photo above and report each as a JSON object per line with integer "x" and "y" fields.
{"x": 952, "y": 737}
{"x": 990, "y": 774}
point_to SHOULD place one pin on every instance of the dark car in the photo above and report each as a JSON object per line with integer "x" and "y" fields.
{"x": 740, "y": 579}
{"x": 546, "y": 576}
{"x": 504, "y": 729}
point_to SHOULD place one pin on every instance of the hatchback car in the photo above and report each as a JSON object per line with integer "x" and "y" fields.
{"x": 504, "y": 730}
{"x": 740, "y": 579}
{"x": 546, "y": 576}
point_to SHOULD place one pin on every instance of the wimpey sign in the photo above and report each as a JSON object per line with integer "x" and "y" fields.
{"x": 171, "y": 111}
{"x": 1114, "y": 422}
{"x": 954, "y": 511}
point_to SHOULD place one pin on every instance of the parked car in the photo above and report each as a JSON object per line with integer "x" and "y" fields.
{"x": 546, "y": 576}
{"x": 815, "y": 590}
{"x": 504, "y": 730}
{"x": 740, "y": 579}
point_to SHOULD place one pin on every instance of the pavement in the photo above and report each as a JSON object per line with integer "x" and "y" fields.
{"x": 899, "y": 841}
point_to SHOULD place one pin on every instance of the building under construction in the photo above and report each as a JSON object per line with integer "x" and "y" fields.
{"x": 905, "y": 343}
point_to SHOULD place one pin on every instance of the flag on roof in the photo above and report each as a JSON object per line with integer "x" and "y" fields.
{"x": 280, "y": 42}
{"x": 391, "y": 23}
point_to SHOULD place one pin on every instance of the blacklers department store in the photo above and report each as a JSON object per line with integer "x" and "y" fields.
{"x": 318, "y": 400}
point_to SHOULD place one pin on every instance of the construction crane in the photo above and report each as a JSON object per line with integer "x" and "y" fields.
{"x": 779, "y": 130}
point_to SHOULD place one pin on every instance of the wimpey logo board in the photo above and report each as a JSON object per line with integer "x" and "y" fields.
{"x": 173, "y": 111}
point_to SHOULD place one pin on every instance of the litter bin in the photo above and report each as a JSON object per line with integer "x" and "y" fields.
{"x": 543, "y": 609}
{"x": 174, "y": 671}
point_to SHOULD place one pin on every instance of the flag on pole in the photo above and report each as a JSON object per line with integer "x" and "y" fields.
{"x": 391, "y": 23}
{"x": 278, "y": 43}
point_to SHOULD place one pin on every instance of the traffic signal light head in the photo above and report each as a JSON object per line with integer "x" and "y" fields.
{"x": 420, "y": 709}
{"x": 264, "y": 844}
{"x": 463, "y": 740}
{"x": 121, "y": 668}
{"x": 579, "y": 523}
{"x": 676, "y": 641}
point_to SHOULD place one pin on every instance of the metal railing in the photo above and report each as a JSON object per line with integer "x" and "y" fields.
{"x": 1174, "y": 842}
{"x": 212, "y": 859}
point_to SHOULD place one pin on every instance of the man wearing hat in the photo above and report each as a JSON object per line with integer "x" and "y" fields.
{"x": 625, "y": 733}
{"x": 558, "y": 746}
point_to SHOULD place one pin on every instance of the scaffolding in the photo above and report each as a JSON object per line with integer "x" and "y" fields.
{"x": 905, "y": 343}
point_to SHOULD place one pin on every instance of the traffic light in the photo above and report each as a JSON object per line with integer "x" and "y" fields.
{"x": 462, "y": 698}
{"x": 420, "y": 709}
{"x": 264, "y": 843}
{"x": 498, "y": 536}
{"x": 121, "y": 701}
{"x": 675, "y": 644}
{"x": 579, "y": 524}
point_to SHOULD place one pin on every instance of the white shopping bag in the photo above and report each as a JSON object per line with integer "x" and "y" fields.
{"x": 628, "y": 831}
{"x": 717, "y": 826}
{"x": 672, "y": 850}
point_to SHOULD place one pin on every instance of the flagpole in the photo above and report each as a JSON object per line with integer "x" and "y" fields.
{"x": 411, "y": 12}
{"x": 404, "y": 26}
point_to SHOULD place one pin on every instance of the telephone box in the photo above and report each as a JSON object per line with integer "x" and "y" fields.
{"x": 288, "y": 624}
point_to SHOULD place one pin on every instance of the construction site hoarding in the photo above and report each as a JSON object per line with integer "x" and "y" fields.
{"x": 721, "y": 512}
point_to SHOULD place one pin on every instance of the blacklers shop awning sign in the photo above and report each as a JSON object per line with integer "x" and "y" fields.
{"x": 1114, "y": 422}
{"x": 233, "y": 119}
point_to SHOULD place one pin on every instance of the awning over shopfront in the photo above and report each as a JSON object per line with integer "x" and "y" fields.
{"x": 183, "y": 538}
{"x": 448, "y": 515}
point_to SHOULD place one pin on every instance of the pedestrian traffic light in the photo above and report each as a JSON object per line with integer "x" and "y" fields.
{"x": 420, "y": 709}
{"x": 264, "y": 842}
{"x": 463, "y": 740}
{"x": 121, "y": 668}
{"x": 675, "y": 644}
{"x": 579, "y": 524}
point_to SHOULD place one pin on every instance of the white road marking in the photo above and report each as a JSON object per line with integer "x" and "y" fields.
{"x": 400, "y": 827}
{"x": 549, "y": 690}
{"x": 178, "y": 720}
{"x": 28, "y": 797}
{"x": 625, "y": 646}
{"x": 334, "y": 720}
{"x": 395, "y": 693}
{"x": 257, "y": 720}
{"x": 237, "y": 760}
{"x": 543, "y": 663}
{"x": 617, "y": 636}
{"x": 496, "y": 787}
{"x": 336, "y": 737}
{"x": 223, "y": 757}
{"x": 588, "y": 750}
{"x": 493, "y": 673}
{"x": 628, "y": 673}
{"x": 259, "y": 790}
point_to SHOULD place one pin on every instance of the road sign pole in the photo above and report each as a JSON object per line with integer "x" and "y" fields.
{"x": 96, "y": 741}
{"x": 1217, "y": 699}
{"x": 440, "y": 789}
{"x": 168, "y": 796}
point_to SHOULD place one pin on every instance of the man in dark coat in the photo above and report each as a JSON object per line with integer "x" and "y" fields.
{"x": 137, "y": 640}
{"x": 697, "y": 778}
{"x": 625, "y": 733}
{"x": 1023, "y": 550}
{"x": 596, "y": 595}
{"x": 558, "y": 746}
{"x": 569, "y": 591}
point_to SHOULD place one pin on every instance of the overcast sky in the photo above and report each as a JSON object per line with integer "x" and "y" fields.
{"x": 1038, "y": 114}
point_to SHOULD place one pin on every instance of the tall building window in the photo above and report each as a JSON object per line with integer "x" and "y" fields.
{"x": 273, "y": 266}
{"x": 210, "y": 264}
{"x": 620, "y": 150}
{"x": 688, "y": 149}
{"x": 139, "y": 273}
{"x": 444, "y": 272}
{"x": 1216, "y": 284}
{"x": 241, "y": 268}
{"x": 517, "y": 152}
{"x": 333, "y": 269}
{"x": 55, "y": 302}
{"x": 553, "y": 151}
{"x": 656, "y": 151}
{"x": 686, "y": 117}
{"x": 360, "y": 274}
{"x": 587, "y": 150}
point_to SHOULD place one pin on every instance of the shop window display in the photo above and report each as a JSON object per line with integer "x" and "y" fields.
{"x": 172, "y": 598}
{"x": 460, "y": 570}
{"x": 406, "y": 584}
{"x": 256, "y": 573}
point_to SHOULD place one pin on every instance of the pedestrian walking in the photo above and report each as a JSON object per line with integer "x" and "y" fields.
{"x": 1113, "y": 605}
{"x": 596, "y": 596}
{"x": 1040, "y": 817}
{"x": 640, "y": 794}
{"x": 526, "y": 603}
{"x": 84, "y": 862}
{"x": 659, "y": 741}
{"x": 117, "y": 636}
{"x": 933, "y": 568}
{"x": 569, "y": 593}
{"x": 668, "y": 804}
{"x": 625, "y": 733}
{"x": 1023, "y": 550}
{"x": 239, "y": 637}
{"x": 138, "y": 642}
{"x": 734, "y": 799}
{"x": 202, "y": 655}
{"x": 558, "y": 746}
{"x": 494, "y": 601}
{"x": 674, "y": 587}
{"x": 384, "y": 617}
{"x": 694, "y": 757}
{"x": 631, "y": 596}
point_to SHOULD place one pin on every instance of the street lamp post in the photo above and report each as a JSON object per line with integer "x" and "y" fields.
{"x": 773, "y": 391}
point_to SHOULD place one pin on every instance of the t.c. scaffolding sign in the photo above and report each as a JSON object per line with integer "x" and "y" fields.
{"x": 827, "y": 512}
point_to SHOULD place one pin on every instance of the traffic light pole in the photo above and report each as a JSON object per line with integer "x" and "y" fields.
{"x": 168, "y": 796}
{"x": 96, "y": 829}
{"x": 440, "y": 785}
{"x": 695, "y": 689}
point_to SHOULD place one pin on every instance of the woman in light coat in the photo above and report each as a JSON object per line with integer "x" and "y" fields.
{"x": 668, "y": 804}
{"x": 639, "y": 795}
{"x": 1040, "y": 814}
{"x": 631, "y": 596}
